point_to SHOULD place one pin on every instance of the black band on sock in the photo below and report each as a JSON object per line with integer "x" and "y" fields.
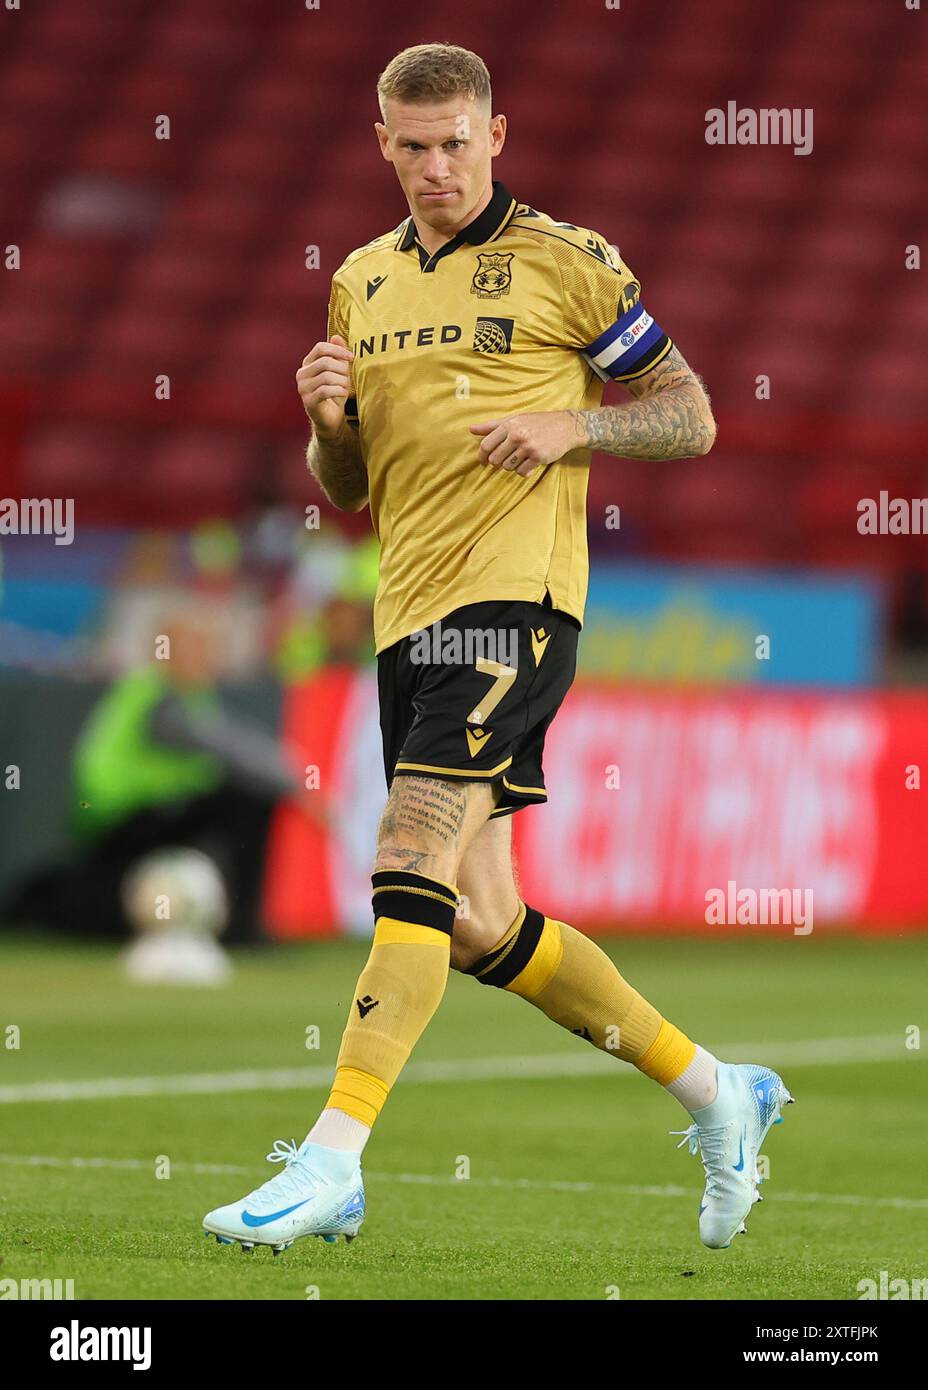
{"x": 411, "y": 897}
{"x": 514, "y": 956}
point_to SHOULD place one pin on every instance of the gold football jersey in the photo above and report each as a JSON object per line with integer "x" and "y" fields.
{"x": 516, "y": 313}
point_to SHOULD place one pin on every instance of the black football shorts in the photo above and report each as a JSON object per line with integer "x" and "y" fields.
{"x": 472, "y": 696}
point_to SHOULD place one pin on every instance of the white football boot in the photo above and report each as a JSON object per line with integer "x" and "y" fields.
{"x": 319, "y": 1193}
{"x": 728, "y": 1135}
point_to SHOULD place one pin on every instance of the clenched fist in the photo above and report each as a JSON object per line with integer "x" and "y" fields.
{"x": 324, "y": 384}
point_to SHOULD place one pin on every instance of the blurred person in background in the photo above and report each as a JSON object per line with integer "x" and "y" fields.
{"x": 328, "y": 609}
{"x": 159, "y": 763}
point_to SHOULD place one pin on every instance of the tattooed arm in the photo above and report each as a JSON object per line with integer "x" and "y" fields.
{"x": 670, "y": 417}
{"x": 334, "y": 454}
{"x": 336, "y": 464}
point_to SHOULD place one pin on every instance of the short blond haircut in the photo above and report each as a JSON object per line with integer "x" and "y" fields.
{"x": 434, "y": 72}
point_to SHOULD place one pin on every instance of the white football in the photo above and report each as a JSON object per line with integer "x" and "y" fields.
{"x": 176, "y": 889}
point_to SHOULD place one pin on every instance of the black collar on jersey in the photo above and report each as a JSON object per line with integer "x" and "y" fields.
{"x": 486, "y": 226}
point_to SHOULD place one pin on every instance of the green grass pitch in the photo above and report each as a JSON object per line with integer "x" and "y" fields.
{"x": 575, "y": 1189}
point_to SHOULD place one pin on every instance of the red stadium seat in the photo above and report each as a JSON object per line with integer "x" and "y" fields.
{"x": 756, "y": 260}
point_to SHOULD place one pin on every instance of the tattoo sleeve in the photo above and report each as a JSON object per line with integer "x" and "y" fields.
{"x": 670, "y": 417}
{"x": 338, "y": 468}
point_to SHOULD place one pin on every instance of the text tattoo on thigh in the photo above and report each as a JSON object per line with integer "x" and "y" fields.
{"x": 422, "y": 814}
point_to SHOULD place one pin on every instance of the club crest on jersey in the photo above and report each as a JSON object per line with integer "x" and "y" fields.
{"x": 493, "y": 335}
{"x": 493, "y": 275}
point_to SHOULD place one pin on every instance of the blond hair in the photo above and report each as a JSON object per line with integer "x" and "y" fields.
{"x": 433, "y": 72}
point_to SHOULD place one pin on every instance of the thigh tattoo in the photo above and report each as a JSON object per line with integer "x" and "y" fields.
{"x": 423, "y": 816}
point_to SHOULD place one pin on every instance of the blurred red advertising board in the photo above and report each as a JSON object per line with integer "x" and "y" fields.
{"x": 662, "y": 804}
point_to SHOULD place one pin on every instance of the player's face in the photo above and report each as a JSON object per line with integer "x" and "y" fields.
{"x": 442, "y": 154}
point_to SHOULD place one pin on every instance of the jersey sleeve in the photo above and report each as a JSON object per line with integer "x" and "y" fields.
{"x": 604, "y": 317}
{"x": 338, "y": 323}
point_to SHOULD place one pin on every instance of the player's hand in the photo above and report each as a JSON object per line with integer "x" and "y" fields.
{"x": 522, "y": 443}
{"x": 324, "y": 384}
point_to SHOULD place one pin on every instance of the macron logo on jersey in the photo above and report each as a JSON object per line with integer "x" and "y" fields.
{"x": 624, "y": 344}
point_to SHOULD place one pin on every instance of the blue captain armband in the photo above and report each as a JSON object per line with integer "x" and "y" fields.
{"x": 629, "y": 347}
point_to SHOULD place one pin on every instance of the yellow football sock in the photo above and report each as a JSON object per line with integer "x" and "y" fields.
{"x": 567, "y": 976}
{"x": 398, "y": 991}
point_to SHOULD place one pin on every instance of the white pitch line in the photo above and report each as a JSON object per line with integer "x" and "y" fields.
{"x": 812, "y": 1052}
{"x": 433, "y": 1180}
